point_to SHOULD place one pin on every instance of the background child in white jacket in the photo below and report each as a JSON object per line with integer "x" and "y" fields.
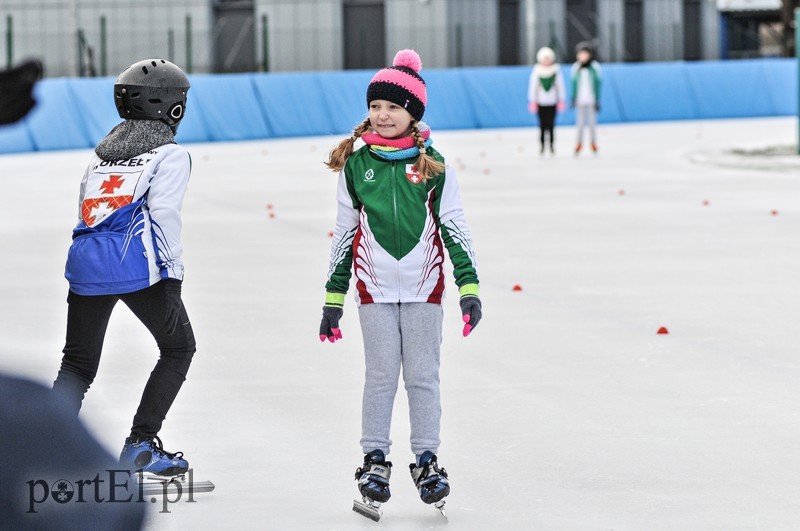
{"x": 546, "y": 94}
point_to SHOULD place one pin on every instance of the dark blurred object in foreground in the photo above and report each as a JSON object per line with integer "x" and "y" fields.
{"x": 45, "y": 453}
{"x": 16, "y": 90}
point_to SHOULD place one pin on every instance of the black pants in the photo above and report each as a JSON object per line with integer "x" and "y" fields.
{"x": 87, "y": 321}
{"x": 547, "y": 122}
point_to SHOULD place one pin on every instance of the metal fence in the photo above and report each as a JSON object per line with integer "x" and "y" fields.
{"x": 101, "y": 37}
{"x": 81, "y": 37}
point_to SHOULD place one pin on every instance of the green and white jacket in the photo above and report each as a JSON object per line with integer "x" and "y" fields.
{"x": 392, "y": 228}
{"x": 586, "y": 83}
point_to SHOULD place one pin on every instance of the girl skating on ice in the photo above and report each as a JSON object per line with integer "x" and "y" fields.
{"x": 399, "y": 207}
{"x": 127, "y": 246}
{"x": 586, "y": 83}
{"x": 546, "y": 94}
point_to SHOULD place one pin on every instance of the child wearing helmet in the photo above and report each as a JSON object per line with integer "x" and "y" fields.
{"x": 546, "y": 94}
{"x": 127, "y": 247}
{"x": 399, "y": 207}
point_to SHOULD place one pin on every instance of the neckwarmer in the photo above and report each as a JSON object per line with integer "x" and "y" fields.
{"x": 134, "y": 137}
{"x": 397, "y": 148}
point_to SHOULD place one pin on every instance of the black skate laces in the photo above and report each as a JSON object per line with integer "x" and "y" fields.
{"x": 368, "y": 463}
{"x": 423, "y": 471}
{"x": 158, "y": 447}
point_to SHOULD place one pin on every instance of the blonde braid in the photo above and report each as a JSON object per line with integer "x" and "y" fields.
{"x": 428, "y": 166}
{"x": 338, "y": 155}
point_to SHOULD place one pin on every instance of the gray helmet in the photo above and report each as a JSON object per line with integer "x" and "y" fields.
{"x": 153, "y": 89}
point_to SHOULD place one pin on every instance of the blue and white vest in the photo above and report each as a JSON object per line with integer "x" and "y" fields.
{"x": 128, "y": 235}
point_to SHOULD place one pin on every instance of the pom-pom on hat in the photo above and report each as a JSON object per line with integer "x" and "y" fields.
{"x": 401, "y": 84}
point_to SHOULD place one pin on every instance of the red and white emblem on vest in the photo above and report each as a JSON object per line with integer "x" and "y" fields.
{"x": 96, "y": 209}
{"x": 412, "y": 173}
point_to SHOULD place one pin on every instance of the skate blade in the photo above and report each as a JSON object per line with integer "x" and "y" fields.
{"x": 154, "y": 484}
{"x": 440, "y": 505}
{"x": 149, "y": 477}
{"x": 366, "y": 508}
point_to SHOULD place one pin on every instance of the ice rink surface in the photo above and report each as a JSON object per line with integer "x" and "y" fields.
{"x": 563, "y": 410}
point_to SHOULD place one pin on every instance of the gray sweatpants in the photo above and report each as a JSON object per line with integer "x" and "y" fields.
{"x": 586, "y": 114}
{"x": 407, "y": 335}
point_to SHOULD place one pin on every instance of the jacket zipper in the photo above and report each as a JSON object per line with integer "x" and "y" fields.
{"x": 396, "y": 225}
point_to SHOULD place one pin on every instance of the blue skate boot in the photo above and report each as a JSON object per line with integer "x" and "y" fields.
{"x": 373, "y": 484}
{"x": 149, "y": 456}
{"x": 430, "y": 479}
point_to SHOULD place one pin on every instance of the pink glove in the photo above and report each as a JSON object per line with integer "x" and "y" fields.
{"x": 532, "y": 107}
{"x": 561, "y": 106}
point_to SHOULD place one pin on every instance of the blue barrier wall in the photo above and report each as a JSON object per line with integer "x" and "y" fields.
{"x": 77, "y": 113}
{"x": 94, "y": 97}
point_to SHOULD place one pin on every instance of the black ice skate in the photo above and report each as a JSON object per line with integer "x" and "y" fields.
{"x": 431, "y": 481}
{"x": 373, "y": 484}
